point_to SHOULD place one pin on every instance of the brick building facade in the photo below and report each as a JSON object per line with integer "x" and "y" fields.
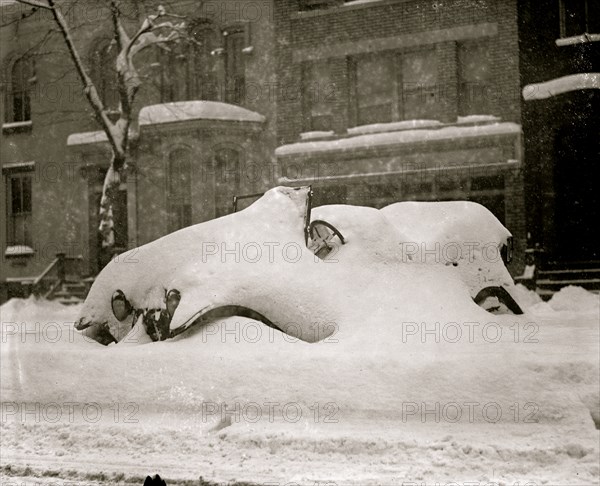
{"x": 203, "y": 131}
{"x": 403, "y": 100}
{"x": 560, "y": 72}
{"x": 371, "y": 102}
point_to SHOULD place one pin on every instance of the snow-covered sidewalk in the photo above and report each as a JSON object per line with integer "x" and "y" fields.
{"x": 392, "y": 403}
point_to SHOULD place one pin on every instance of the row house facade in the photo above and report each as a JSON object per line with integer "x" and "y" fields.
{"x": 403, "y": 100}
{"x": 203, "y": 131}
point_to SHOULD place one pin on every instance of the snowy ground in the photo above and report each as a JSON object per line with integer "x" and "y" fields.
{"x": 508, "y": 401}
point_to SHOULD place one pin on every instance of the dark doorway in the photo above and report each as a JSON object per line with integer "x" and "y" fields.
{"x": 577, "y": 203}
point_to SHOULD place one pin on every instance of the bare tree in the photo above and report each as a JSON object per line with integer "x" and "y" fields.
{"x": 159, "y": 28}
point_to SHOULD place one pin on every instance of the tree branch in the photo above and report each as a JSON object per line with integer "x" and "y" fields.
{"x": 89, "y": 89}
{"x": 36, "y": 4}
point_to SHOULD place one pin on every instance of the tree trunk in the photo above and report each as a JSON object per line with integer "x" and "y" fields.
{"x": 112, "y": 181}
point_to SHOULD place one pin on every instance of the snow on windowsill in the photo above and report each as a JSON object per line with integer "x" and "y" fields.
{"x": 15, "y": 126}
{"x": 317, "y": 135}
{"x": 573, "y": 82}
{"x": 577, "y": 39}
{"x": 393, "y": 126}
{"x": 18, "y": 251}
{"x": 399, "y": 137}
{"x": 358, "y": 2}
{"x": 463, "y": 120}
{"x": 18, "y": 167}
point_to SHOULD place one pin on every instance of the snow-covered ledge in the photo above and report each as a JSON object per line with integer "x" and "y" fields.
{"x": 18, "y": 251}
{"x": 573, "y": 82}
{"x": 19, "y": 126}
{"x": 18, "y": 167}
{"x": 182, "y": 111}
{"x": 399, "y": 137}
{"x": 84, "y": 138}
{"x": 577, "y": 39}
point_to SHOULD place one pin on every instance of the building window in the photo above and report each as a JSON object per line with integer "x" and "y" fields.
{"x": 391, "y": 87}
{"x": 18, "y": 102}
{"x": 578, "y": 17}
{"x": 179, "y": 198}
{"x": 227, "y": 179}
{"x": 375, "y": 89}
{"x": 419, "y": 73}
{"x": 174, "y": 83}
{"x": 235, "y": 68}
{"x": 319, "y": 93}
{"x": 104, "y": 74}
{"x": 19, "y": 209}
{"x": 475, "y": 79}
{"x": 203, "y": 80}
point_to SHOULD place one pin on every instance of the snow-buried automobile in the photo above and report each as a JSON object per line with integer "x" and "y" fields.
{"x": 293, "y": 267}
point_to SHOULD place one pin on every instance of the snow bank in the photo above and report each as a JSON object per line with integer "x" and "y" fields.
{"x": 575, "y": 299}
{"x": 369, "y": 407}
{"x": 527, "y": 298}
{"x": 568, "y": 300}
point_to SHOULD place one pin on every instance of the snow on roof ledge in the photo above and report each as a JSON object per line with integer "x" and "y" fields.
{"x": 393, "y": 126}
{"x": 574, "y": 82}
{"x": 196, "y": 110}
{"x": 399, "y": 137}
{"x": 83, "y": 138}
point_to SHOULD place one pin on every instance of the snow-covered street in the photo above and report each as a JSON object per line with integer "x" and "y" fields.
{"x": 299, "y": 242}
{"x": 385, "y": 404}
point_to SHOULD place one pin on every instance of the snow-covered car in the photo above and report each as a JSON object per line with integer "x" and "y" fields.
{"x": 462, "y": 235}
{"x": 268, "y": 263}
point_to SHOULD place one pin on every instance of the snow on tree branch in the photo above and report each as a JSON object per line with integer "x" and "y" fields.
{"x": 155, "y": 29}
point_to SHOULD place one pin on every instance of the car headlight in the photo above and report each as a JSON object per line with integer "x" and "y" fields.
{"x": 173, "y": 299}
{"x": 120, "y": 305}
